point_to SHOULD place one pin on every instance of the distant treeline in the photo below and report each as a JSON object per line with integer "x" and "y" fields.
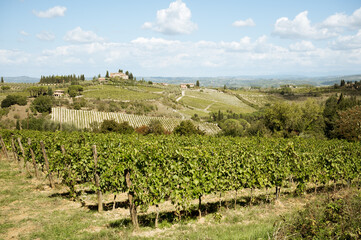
{"x": 61, "y": 78}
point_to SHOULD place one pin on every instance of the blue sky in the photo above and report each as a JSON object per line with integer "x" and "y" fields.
{"x": 180, "y": 37}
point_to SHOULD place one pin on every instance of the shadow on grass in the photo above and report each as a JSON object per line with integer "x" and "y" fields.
{"x": 171, "y": 217}
{"x": 68, "y": 196}
{"x": 109, "y": 206}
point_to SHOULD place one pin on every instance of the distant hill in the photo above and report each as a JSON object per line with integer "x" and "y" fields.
{"x": 256, "y": 81}
{"x": 231, "y": 81}
{"x": 21, "y": 79}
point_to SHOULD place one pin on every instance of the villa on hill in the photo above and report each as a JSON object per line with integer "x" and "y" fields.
{"x": 119, "y": 74}
{"x": 58, "y": 93}
{"x": 187, "y": 85}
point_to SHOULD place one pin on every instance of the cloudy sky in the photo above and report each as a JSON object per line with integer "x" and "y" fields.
{"x": 180, "y": 37}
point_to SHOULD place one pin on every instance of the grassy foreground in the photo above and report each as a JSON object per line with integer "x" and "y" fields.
{"x": 29, "y": 209}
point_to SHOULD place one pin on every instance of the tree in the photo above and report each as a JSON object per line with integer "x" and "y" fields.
{"x": 131, "y": 76}
{"x": 187, "y": 128}
{"x": 43, "y": 104}
{"x": 332, "y": 106}
{"x": 156, "y": 127}
{"x": 120, "y": 71}
{"x": 348, "y": 125}
{"x": 2, "y": 79}
{"x": 125, "y": 128}
{"x": 50, "y": 91}
{"x": 75, "y": 90}
{"x": 112, "y": 126}
{"x": 197, "y": 83}
{"x": 109, "y": 126}
{"x": 232, "y": 127}
{"x": 284, "y": 118}
{"x": 107, "y": 74}
{"x": 342, "y": 83}
{"x": 127, "y": 73}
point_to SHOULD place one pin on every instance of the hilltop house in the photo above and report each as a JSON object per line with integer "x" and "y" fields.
{"x": 119, "y": 74}
{"x": 58, "y": 93}
{"x": 187, "y": 85}
{"x": 102, "y": 80}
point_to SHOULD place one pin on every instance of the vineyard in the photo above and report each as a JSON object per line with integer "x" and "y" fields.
{"x": 154, "y": 169}
{"x": 83, "y": 119}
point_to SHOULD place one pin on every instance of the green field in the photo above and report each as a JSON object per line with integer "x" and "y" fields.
{"x": 199, "y": 103}
{"x": 215, "y": 100}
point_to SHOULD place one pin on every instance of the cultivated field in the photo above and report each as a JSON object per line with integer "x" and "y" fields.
{"x": 83, "y": 119}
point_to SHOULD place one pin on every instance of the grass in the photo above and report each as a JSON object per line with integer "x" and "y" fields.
{"x": 191, "y": 112}
{"x": 199, "y": 103}
{"x": 219, "y": 101}
{"x": 224, "y": 107}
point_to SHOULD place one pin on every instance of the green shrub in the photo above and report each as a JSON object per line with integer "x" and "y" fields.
{"x": 155, "y": 127}
{"x": 75, "y": 90}
{"x": 4, "y": 87}
{"x": 187, "y": 128}
{"x": 43, "y": 104}
{"x": 112, "y": 126}
{"x": 332, "y": 218}
{"x": 12, "y": 100}
{"x": 232, "y": 127}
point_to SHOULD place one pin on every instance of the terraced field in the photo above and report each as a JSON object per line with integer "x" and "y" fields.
{"x": 209, "y": 100}
{"x": 83, "y": 119}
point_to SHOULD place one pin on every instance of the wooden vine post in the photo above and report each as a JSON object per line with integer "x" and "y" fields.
{"x": 33, "y": 158}
{"x": 23, "y": 152}
{"x": 70, "y": 175}
{"x": 235, "y": 200}
{"x": 157, "y": 216}
{"x": 132, "y": 207}
{"x": 47, "y": 164}
{"x": 199, "y": 206}
{"x": 4, "y": 147}
{"x": 97, "y": 179}
{"x": 14, "y": 154}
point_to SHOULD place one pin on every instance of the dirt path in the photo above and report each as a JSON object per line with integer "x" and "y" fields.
{"x": 183, "y": 94}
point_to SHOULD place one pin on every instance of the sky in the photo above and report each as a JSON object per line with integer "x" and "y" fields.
{"x": 180, "y": 38}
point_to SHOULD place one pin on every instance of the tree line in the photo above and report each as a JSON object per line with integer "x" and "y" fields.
{"x": 61, "y": 78}
{"x": 338, "y": 117}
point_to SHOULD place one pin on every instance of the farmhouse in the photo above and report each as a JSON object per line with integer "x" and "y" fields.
{"x": 119, "y": 74}
{"x": 58, "y": 93}
{"x": 102, "y": 80}
{"x": 187, "y": 85}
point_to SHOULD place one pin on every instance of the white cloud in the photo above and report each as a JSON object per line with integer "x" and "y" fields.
{"x": 244, "y": 23}
{"x": 174, "y": 20}
{"x": 300, "y": 27}
{"x": 22, "y": 32}
{"x": 302, "y": 46}
{"x": 347, "y": 42}
{"x": 77, "y": 35}
{"x": 341, "y": 20}
{"x": 73, "y": 60}
{"x": 57, "y": 11}
{"x": 247, "y": 45}
{"x": 154, "y": 41}
{"x": 45, "y": 36}
{"x": 13, "y": 57}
